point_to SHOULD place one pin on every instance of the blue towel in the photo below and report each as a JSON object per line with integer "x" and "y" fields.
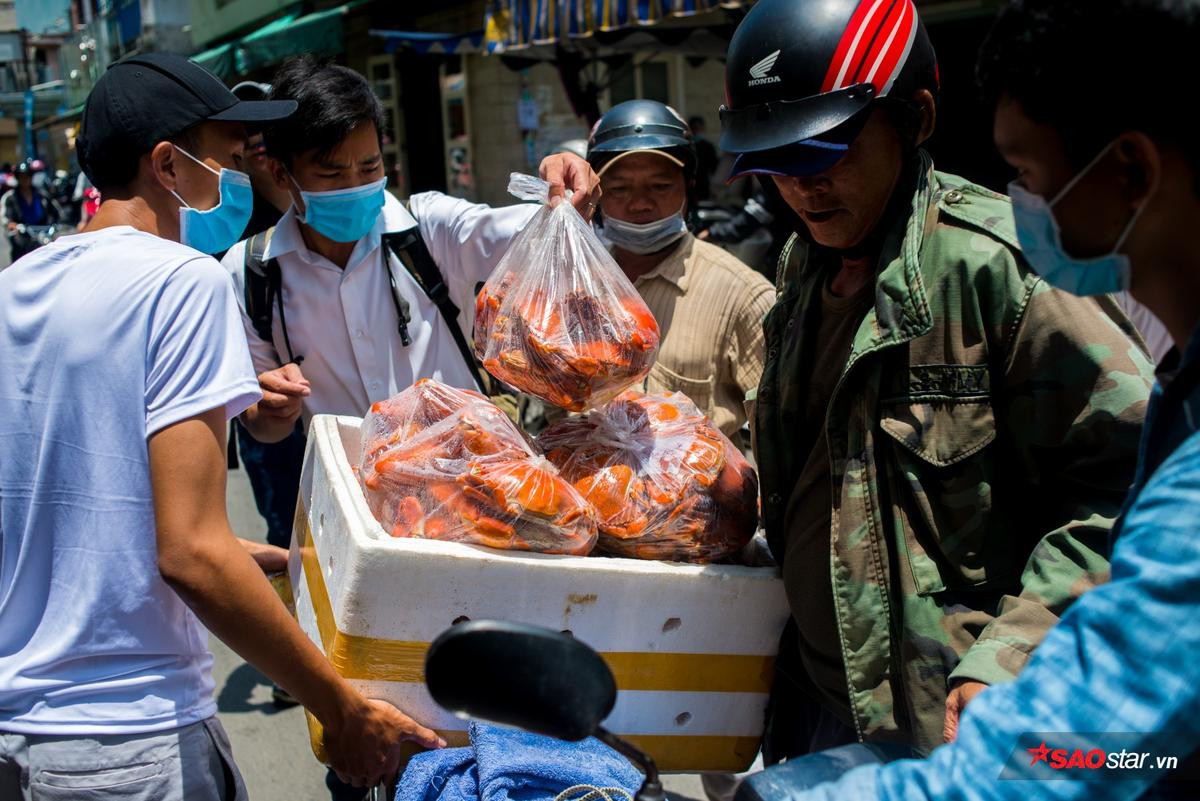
{"x": 510, "y": 765}
{"x": 519, "y": 766}
{"x": 446, "y": 775}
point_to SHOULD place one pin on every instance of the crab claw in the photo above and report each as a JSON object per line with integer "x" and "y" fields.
{"x": 410, "y": 518}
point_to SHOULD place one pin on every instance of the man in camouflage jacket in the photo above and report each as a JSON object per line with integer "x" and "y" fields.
{"x": 943, "y": 440}
{"x": 982, "y": 438}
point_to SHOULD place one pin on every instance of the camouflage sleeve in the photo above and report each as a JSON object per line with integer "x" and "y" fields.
{"x": 1072, "y": 404}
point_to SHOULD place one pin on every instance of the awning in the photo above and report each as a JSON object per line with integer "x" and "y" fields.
{"x": 422, "y": 43}
{"x": 517, "y": 24}
{"x": 220, "y": 60}
{"x": 319, "y": 33}
{"x": 68, "y": 116}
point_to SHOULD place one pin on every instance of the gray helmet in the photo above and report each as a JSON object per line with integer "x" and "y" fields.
{"x": 576, "y": 147}
{"x": 252, "y": 90}
{"x": 641, "y": 125}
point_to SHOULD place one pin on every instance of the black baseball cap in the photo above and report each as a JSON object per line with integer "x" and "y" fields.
{"x": 144, "y": 99}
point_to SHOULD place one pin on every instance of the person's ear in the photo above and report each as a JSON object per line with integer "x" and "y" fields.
{"x": 282, "y": 177}
{"x": 164, "y": 164}
{"x": 1140, "y": 166}
{"x": 279, "y": 174}
{"x": 927, "y": 110}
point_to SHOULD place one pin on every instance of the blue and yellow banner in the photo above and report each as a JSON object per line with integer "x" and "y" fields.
{"x": 440, "y": 43}
{"x": 515, "y": 24}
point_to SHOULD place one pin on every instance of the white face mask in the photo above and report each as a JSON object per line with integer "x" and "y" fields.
{"x": 643, "y": 238}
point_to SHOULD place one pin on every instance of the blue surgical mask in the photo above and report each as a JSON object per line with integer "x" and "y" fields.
{"x": 343, "y": 215}
{"x": 219, "y": 228}
{"x": 642, "y": 238}
{"x": 1041, "y": 242}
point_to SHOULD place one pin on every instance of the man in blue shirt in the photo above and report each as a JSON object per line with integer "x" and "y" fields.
{"x": 1094, "y": 107}
{"x": 25, "y": 204}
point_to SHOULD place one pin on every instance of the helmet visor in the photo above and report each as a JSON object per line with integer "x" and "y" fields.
{"x": 802, "y": 159}
{"x": 779, "y": 123}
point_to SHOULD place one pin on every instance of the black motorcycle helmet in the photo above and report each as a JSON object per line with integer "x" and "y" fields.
{"x": 801, "y": 75}
{"x": 23, "y": 168}
{"x": 639, "y": 126}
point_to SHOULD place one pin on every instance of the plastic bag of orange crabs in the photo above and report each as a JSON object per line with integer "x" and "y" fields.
{"x": 665, "y": 483}
{"x": 557, "y": 318}
{"x": 447, "y": 464}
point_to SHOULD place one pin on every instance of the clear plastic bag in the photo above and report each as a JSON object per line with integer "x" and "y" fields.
{"x": 557, "y": 318}
{"x": 446, "y": 464}
{"x": 665, "y": 483}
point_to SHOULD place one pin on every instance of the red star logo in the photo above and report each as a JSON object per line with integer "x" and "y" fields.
{"x": 1039, "y": 754}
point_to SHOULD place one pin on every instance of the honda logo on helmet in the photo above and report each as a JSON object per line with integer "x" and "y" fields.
{"x": 759, "y": 72}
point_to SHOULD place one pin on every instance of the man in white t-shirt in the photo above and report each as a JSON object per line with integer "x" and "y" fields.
{"x": 351, "y": 325}
{"x": 123, "y": 358}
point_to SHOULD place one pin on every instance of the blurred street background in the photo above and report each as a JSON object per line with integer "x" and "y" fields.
{"x": 472, "y": 90}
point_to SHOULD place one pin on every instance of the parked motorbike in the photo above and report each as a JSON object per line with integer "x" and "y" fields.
{"x": 26, "y": 238}
{"x": 550, "y": 683}
{"x": 62, "y": 189}
{"x": 725, "y": 228}
{"x": 36, "y": 235}
{"x": 538, "y": 680}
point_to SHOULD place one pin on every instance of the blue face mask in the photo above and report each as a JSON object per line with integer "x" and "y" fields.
{"x": 1041, "y": 242}
{"x": 343, "y": 215}
{"x": 217, "y": 229}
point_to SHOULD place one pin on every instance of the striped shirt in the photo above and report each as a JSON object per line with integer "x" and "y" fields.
{"x": 710, "y": 309}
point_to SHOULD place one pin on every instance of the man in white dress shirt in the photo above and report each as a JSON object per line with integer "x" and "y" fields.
{"x": 343, "y": 322}
{"x": 351, "y": 325}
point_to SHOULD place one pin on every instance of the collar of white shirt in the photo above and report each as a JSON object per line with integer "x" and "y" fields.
{"x": 288, "y": 239}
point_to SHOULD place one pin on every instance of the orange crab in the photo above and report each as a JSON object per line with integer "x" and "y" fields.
{"x": 610, "y": 490}
{"x": 665, "y": 483}
{"x": 401, "y": 417}
{"x": 574, "y": 351}
{"x": 466, "y": 474}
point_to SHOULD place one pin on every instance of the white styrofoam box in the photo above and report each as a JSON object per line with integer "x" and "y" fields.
{"x": 692, "y": 646}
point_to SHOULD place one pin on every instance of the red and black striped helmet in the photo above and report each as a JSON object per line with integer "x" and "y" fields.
{"x": 805, "y": 71}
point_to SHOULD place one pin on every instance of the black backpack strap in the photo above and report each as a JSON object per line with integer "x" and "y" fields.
{"x": 231, "y": 452}
{"x": 263, "y": 281}
{"x": 409, "y": 248}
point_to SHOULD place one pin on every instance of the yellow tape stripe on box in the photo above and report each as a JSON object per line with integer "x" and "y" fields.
{"x": 670, "y": 752}
{"x": 375, "y": 659}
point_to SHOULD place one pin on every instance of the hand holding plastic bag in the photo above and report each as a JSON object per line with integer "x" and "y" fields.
{"x": 557, "y": 318}
{"x": 446, "y": 464}
{"x": 665, "y": 483}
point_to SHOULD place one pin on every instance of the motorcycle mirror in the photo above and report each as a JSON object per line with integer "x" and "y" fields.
{"x": 518, "y": 675}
